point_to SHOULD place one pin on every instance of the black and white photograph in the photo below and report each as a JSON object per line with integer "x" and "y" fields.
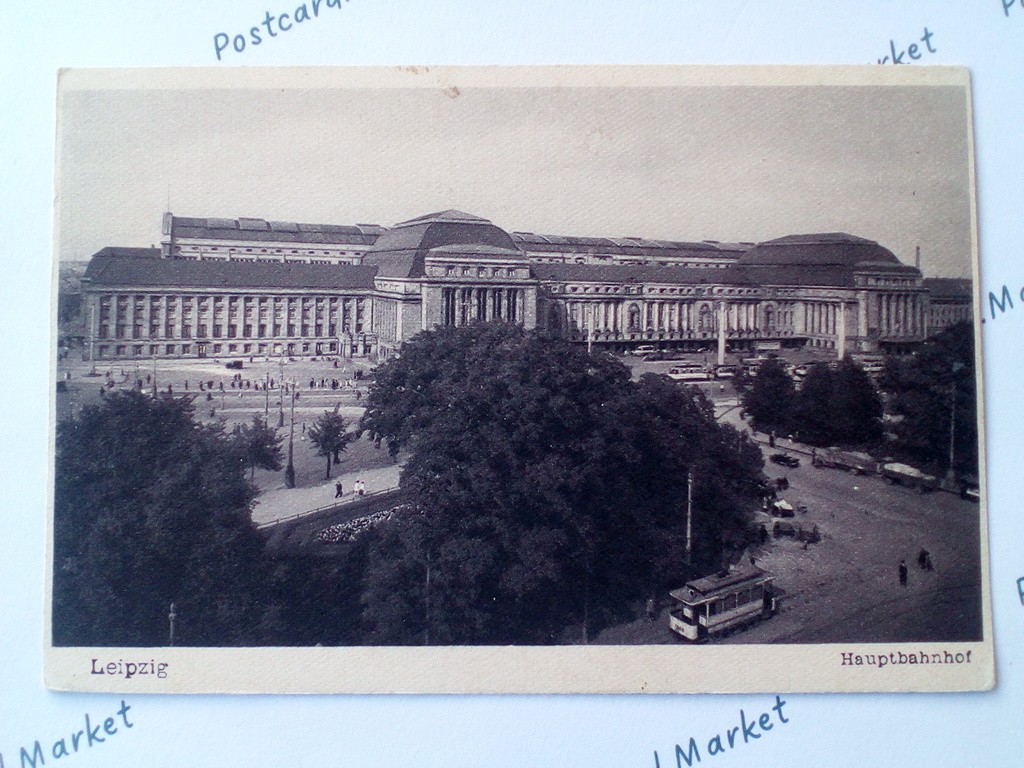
{"x": 565, "y": 379}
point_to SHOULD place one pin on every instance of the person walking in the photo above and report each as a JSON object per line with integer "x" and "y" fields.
{"x": 903, "y": 573}
{"x": 338, "y": 490}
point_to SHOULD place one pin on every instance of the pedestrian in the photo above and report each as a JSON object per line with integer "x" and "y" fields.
{"x": 903, "y": 573}
{"x": 360, "y": 487}
{"x": 928, "y": 561}
{"x": 338, "y": 490}
{"x": 103, "y": 392}
{"x": 186, "y": 385}
{"x": 771, "y": 439}
{"x": 922, "y": 558}
{"x": 651, "y": 609}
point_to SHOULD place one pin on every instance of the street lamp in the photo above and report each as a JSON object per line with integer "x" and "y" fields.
{"x": 289, "y": 472}
{"x": 951, "y": 472}
{"x": 170, "y": 618}
{"x": 689, "y": 517}
{"x": 280, "y": 390}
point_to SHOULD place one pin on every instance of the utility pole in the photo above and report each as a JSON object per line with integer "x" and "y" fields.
{"x": 689, "y": 516}
{"x": 280, "y": 391}
{"x": 92, "y": 340}
{"x": 154, "y": 376}
{"x": 951, "y": 473}
{"x": 170, "y": 618}
{"x": 266, "y": 392}
{"x": 426, "y": 608}
{"x": 289, "y": 472}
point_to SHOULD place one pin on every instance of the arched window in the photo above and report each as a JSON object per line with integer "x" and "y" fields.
{"x": 704, "y": 319}
{"x": 634, "y": 318}
{"x": 555, "y": 319}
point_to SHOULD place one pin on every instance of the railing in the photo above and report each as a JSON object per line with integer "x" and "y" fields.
{"x": 327, "y": 508}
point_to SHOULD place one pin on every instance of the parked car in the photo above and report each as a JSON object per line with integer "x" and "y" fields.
{"x": 785, "y": 460}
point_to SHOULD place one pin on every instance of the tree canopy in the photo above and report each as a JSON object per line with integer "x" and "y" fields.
{"x": 153, "y": 508}
{"x": 261, "y": 444}
{"x": 551, "y": 488}
{"x": 329, "y": 433}
{"x": 839, "y": 406}
{"x": 770, "y": 398}
{"x": 924, "y": 390}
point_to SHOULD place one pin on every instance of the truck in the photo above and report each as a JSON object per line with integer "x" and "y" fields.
{"x": 904, "y": 474}
{"x": 858, "y": 462}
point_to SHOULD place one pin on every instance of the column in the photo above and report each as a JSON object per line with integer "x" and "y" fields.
{"x": 722, "y": 310}
{"x": 841, "y": 332}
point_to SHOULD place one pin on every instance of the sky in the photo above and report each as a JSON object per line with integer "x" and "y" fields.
{"x": 679, "y": 162}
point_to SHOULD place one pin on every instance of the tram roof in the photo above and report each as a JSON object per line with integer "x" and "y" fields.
{"x": 702, "y": 589}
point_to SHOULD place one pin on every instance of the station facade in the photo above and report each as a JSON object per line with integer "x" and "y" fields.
{"x": 224, "y": 288}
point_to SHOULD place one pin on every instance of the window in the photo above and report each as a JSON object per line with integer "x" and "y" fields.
{"x": 305, "y": 329}
{"x": 104, "y": 331}
{"x": 154, "y": 330}
{"x": 186, "y": 349}
{"x": 201, "y": 331}
{"x": 247, "y": 330}
{"x": 169, "y": 330}
{"x": 262, "y": 330}
{"x": 170, "y": 349}
{"x": 119, "y": 331}
{"x": 101, "y": 350}
{"x": 186, "y": 331}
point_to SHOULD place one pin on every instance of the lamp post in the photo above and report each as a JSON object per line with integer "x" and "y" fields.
{"x": 951, "y": 472}
{"x": 170, "y": 619}
{"x": 289, "y": 472}
{"x": 280, "y": 390}
{"x": 689, "y": 517}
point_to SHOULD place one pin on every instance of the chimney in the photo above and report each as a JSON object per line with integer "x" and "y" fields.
{"x": 917, "y": 257}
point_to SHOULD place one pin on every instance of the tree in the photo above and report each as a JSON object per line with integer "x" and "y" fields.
{"x": 856, "y": 406}
{"x": 839, "y": 406}
{"x": 771, "y": 398}
{"x": 260, "y": 445}
{"x": 153, "y": 508}
{"x": 813, "y": 418}
{"x": 552, "y": 488}
{"x": 330, "y": 435}
{"x": 926, "y": 392}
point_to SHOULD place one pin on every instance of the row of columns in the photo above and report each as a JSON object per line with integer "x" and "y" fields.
{"x": 902, "y": 314}
{"x": 465, "y": 305}
{"x": 158, "y": 311}
{"x": 671, "y": 316}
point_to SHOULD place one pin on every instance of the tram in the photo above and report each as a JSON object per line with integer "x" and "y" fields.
{"x": 715, "y": 604}
{"x": 689, "y": 372}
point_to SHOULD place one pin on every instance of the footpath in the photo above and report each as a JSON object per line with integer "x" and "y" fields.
{"x": 281, "y": 503}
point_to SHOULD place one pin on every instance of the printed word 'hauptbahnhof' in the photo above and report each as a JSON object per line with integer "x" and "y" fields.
{"x": 271, "y": 26}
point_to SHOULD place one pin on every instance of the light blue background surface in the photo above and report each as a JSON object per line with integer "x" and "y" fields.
{"x": 841, "y": 730}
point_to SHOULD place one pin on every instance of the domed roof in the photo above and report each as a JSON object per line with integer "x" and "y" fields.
{"x": 831, "y": 249}
{"x": 400, "y": 250}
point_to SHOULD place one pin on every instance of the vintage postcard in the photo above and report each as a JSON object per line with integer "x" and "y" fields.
{"x": 566, "y": 379}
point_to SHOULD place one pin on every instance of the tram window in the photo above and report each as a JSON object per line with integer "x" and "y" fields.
{"x": 757, "y": 593}
{"x": 729, "y": 603}
{"x": 715, "y": 608}
{"x": 743, "y": 597}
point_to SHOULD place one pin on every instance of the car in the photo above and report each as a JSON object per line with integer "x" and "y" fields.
{"x": 784, "y": 460}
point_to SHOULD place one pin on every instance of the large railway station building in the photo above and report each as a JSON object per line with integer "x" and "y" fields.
{"x": 226, "y": 288}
